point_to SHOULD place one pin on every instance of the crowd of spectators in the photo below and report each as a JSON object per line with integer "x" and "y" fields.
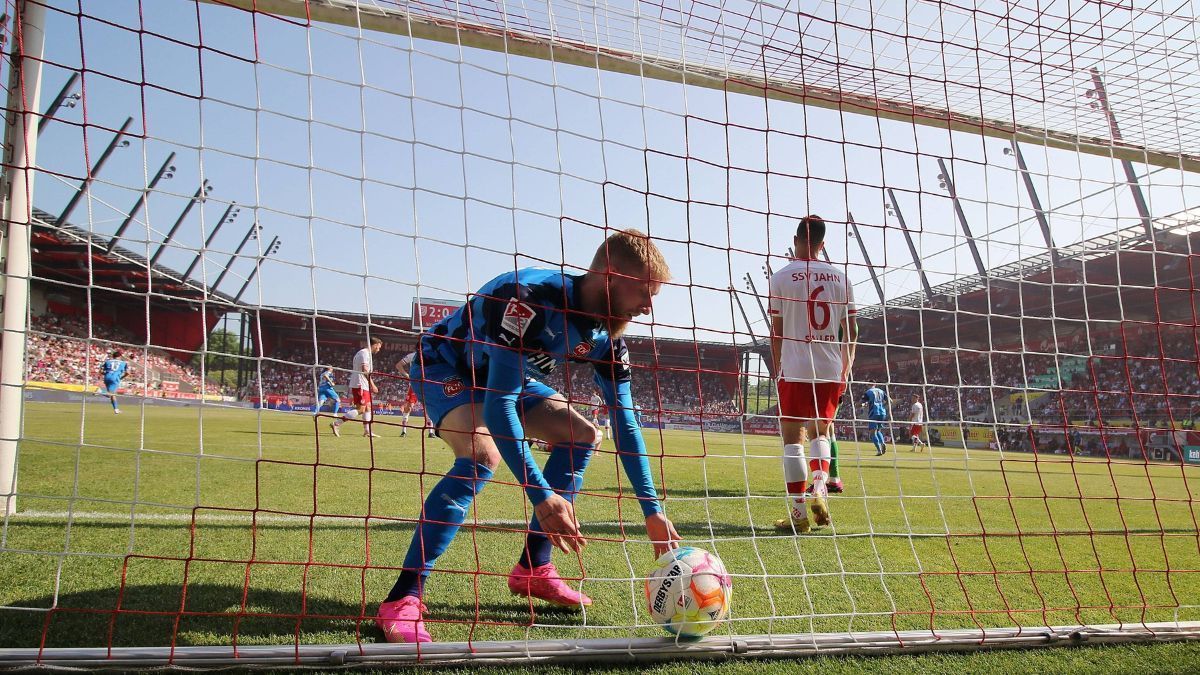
{"x": 674, "y": 392}
{"x": 1139, "y": 378}
{"x": 1080, "y": 395}
{"x": 1136, "y": 373}
{"x": 65, "y": 350}
{"x": 293, "y": 371}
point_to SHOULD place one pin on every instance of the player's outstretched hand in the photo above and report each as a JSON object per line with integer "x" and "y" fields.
{"x": 557, "y": 518}
{"x": 662, "y": 534}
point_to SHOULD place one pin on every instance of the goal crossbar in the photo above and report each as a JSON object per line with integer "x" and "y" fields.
{"x": 552, "y": 48}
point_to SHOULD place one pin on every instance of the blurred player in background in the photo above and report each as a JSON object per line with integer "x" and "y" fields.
{"x": 113, "y": 370}
{"x": 813, "y": 335}
{"x": 594, "y": 407}
{"x": 326, "y": 391}
{"x": 875, "y": 403}
{"x": 605, "y": 422}
{"x": 362, "y": 387}
{"x": 410, "y": 396}
{"x": 917, "y": 422}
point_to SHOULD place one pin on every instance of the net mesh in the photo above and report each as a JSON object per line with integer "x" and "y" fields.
{"x": 236, "y": 195}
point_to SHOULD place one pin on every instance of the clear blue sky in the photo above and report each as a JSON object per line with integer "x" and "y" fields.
{"x": 376, "y": 159}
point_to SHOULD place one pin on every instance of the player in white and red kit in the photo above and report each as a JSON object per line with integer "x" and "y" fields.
{"x": 917, "y": 421}
{"x": 813, "y": 335}
{"x": 410, "y": 398}
{"x": 361, "y": 388}
{"x": 603, "y": 424}
{"x": 596, "y": 408}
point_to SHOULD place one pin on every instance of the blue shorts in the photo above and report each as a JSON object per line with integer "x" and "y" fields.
{"x": 876, "y": 422}
{"x": 441, "y": 389}
{"x": 326, "y": 393}
{"x": 112, "y": 384}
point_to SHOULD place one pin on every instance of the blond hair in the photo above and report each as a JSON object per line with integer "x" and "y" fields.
{"x": 631, "y": 250}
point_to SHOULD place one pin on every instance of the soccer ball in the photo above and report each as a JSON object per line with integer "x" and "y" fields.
{"x": 688, "y": 592}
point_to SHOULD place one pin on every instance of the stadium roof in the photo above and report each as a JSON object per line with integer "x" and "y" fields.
{"x": 65, "y": 253}
{"x": 1170, "y": 231}
{"x": 1120, "y": 276}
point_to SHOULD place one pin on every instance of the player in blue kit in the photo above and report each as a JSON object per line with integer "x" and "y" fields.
{"x": 875, "y": 401}
{"x": 327, "y": 392}
{"x": 113, "y": 370}
{"x": 478, "y": 373}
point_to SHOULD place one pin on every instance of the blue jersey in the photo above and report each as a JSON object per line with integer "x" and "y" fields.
{"x": 531, "y": 317}
{"x": 326, "y": 381}
{"x": 114, "y": 369}
{"x": 875, "y": 398}
{"x": 523, "y": 324}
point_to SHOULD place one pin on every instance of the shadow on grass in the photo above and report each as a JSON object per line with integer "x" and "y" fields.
{"x": 213, "y": 614}
{"x": 674, "y": 492}
{"x": 633, "y": 528}
{"x": 259, "y": 432}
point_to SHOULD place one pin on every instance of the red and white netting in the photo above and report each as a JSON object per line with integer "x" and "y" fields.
{"x": 236, "y": 192}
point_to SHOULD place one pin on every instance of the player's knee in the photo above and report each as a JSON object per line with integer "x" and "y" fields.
{"x": 578, "y": 432}
{"x": 589, "y": 434}
{"x": 488, "y": 457}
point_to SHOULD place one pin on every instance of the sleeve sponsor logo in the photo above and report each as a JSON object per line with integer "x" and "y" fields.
{"x": 582, "y": 349}
{"x": 543, "y": 363}
{"x": 517, "y": 317}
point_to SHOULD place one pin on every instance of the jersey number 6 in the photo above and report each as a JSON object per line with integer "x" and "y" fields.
{"x": 818, "y": 308}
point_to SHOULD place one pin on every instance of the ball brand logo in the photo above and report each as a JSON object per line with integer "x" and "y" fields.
{"x": 453, "y": 387}
{"x": 664, "y": 589}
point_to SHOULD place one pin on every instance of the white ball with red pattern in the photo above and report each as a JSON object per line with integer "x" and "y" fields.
{"x": 688, "y": 592}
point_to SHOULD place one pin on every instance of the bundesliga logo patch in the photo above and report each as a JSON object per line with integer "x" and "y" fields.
{"x": 517, "y": 316}
{"x": 453, "y": 387}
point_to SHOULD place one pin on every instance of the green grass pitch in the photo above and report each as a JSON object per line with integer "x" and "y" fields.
{"x": 193, "y": 547}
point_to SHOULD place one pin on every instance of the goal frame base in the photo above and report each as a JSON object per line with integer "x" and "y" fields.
{"x": 627, "y": 650}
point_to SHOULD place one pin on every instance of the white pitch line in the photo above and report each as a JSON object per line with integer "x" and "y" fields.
{"x": 357, "y": 521}
{"x": 247, "y": 519}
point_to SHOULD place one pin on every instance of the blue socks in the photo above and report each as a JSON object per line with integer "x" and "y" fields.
{"x": 445, "y": 510}
{"x": 878, "y": 440}
{"x": 564, "y": 473}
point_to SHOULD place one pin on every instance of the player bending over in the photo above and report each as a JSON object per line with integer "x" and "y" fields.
{"x": 813, "y": 335}
{"x": 113, "y": 370}
{"x": 918, "y": 423}
{"x": 476, "y": 376}
{"x": 874, "y": 402}
{"x": 326, "y": 391}
{"x": 362, "y": 386}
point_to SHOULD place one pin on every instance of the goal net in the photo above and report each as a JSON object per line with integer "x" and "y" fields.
{"x": 228, "y": 197}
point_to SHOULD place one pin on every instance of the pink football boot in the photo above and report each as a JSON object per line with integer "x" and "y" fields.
{"x": 544, "y": 583}
{"x": 401, "y": 621}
